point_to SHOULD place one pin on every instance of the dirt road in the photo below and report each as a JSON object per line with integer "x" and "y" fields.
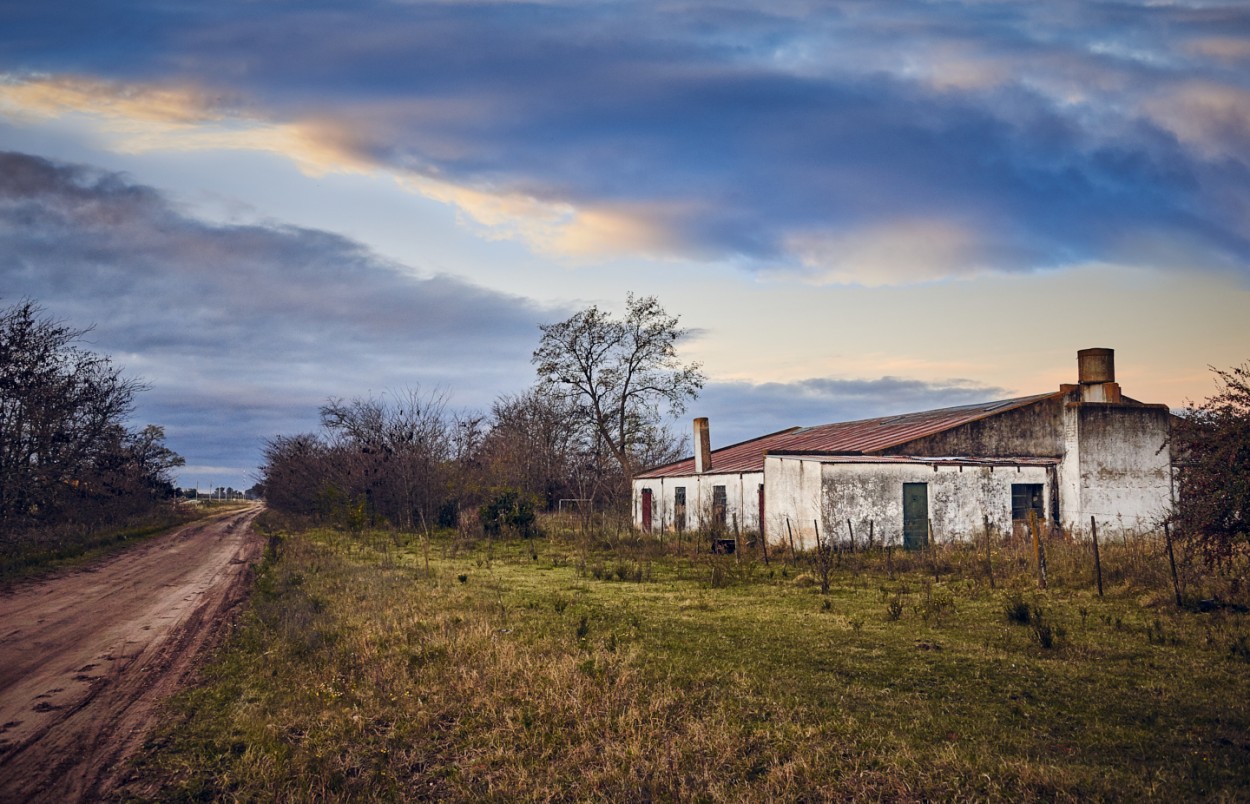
{"x": 86, "y": 656}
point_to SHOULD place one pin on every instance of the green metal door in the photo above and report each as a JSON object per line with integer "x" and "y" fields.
{"x": 915, "y": 515}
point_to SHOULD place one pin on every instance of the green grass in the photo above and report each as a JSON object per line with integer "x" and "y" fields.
{"x": 557, "y": 668}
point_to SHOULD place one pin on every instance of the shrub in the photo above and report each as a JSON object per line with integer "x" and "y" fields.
{"x": 509, "y": 511}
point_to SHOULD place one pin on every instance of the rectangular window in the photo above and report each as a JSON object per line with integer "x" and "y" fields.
{"x": 1026, "y": 497}
{"x": 679, "y": 508}
{"x": 719, "y": 506}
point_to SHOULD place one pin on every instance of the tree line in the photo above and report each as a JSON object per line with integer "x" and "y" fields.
{"x": 598, "y": 411}
{"x": 68, "y": 458}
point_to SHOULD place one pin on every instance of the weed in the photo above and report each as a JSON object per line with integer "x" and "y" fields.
{"x": 935, "y": 606}
{"x": 894, "y": 609}
{"x": 1045, "y": 633}
{"x": 1018, "y": 610}
{"x": 719, "y": 576}
{"x": 1239, "y": 648}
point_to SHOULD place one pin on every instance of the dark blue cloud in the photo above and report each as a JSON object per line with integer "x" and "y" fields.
{"x": 1045, "y": 135}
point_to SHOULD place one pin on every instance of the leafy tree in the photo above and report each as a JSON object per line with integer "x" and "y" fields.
{"x": 1212, "y": 444}
{"x": 65, "y": 452}
{"x": 620, "y": 377}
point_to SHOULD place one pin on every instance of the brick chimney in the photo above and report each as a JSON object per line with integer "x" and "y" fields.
{"x": 702, "y": 446}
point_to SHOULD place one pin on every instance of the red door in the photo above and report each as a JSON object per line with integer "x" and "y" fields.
{"x": 646, "y": 510}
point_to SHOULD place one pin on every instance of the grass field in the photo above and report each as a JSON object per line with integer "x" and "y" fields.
{"x": 575, "y": 667}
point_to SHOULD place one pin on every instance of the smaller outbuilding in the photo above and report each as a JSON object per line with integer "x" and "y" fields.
{"x": 1084, "y": 451}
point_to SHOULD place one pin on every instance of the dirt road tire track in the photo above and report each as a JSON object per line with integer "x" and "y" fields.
{"x": 86, "y": 657}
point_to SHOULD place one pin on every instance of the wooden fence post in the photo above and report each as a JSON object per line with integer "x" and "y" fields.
{"x": 1038, "y": 549}
{"x": 851, "y": 530}
{"x": 931, "y": 549}
{"x": 1093, "y": 529}
{"x": 1176, "y": 583}
{"x": 793, "y": 554}
{"x": 989, "y": 560}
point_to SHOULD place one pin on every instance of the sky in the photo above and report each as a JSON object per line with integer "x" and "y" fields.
{"x": 856, "y": 208}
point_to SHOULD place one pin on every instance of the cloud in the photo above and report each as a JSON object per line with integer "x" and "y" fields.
{"x": 242, "y": 331}
{"x": 873, "y": 144}
{"x": 902, "y": 251}
{"x": 742, "y": 410}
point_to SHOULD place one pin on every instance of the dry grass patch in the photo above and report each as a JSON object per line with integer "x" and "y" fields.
{"x": 515, "y": 670}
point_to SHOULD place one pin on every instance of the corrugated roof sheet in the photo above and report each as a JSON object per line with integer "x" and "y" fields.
{"x": 959, "y": 460}
{"x": 855, "y": 438}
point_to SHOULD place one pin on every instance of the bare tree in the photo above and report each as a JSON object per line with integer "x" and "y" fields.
{"x": 295, "y": 470}
{"x": 533, "y": 445}
{"x": 620, "y": 377}
{"x": 398, "y": 451}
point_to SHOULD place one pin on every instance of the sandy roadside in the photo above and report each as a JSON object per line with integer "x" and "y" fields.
{"x": 86, "y": 656}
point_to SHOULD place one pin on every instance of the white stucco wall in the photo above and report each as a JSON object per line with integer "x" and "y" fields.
{"x": 741, "y": 500}
{"x": 1117, "y": 469}
{"x": 792, "y": 500}
{"x": 831, "y": 492}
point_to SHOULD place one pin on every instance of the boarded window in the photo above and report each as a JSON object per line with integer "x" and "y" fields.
{"x": 1026, "y": 497}
{"x": 679, "y": 508}
{"x": 719, "y": 505}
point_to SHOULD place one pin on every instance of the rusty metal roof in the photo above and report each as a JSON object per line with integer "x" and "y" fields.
{"x": 958, "y": 460}
{"x": 847, "y": 438}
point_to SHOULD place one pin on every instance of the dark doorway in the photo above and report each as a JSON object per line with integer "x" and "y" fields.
{"x": 915, "y": 516}
{"x": 719, "y": 508}
{"x": 761, "y": 493}
{"x": 679, "y": 508}
{"x": 646, "y": 510}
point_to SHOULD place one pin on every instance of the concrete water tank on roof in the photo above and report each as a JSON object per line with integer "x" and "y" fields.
{"x": 1095, "y": 365}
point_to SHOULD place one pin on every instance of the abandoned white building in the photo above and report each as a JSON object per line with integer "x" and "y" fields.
{"x": 1080, "y": 452}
